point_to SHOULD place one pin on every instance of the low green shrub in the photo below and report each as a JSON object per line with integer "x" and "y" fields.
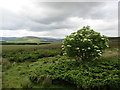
{"x": 95, "y": 74}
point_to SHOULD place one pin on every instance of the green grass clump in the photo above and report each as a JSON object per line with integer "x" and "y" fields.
{"x": 30, "y": 53}
{"x": 30, "y": 56}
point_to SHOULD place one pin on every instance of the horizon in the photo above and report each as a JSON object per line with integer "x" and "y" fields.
{"x": 32, "y": 36}
{"x": 42, "y": 37}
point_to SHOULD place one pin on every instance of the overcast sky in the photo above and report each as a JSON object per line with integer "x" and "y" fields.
{"x": 56, "y": 19}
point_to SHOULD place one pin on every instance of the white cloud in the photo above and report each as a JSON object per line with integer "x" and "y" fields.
{"x": 19, "y": 33}
{"x": 31, "y": 17}
{"x": 15, "y": 6}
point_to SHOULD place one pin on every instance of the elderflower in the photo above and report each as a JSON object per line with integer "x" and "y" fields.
{"x": 77, "y": 48}
{"x": 88, "y": 47}
{"x": 68, "y": 45}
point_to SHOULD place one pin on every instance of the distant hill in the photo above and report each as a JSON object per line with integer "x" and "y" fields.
{"x": 34, "y": 39}
{"x": 51, "y": 39}
{"x": 114, "y": 38}
{"x": 29, "y": 39}
{"x": 8, "y": 38}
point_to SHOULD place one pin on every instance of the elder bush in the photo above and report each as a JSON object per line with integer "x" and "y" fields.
{"x": 85, "y": 44}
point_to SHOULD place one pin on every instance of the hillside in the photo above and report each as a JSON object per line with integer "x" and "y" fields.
{"x": 29, "y": 39}
{"x": 26, "y": 39}
{"x": 8, "y": 38}
{"x": 114, "y": 38}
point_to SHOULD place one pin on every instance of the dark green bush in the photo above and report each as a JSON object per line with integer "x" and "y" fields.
{"x": 96, "y": 74}
{"x": 85, "y": 44}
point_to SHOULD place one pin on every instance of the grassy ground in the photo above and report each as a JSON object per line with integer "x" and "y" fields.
{"x": 17, "y": 75}
{"x": 20, "y": 53}
{"x": 16, "y": 48}
{"x": 57, "y": 71}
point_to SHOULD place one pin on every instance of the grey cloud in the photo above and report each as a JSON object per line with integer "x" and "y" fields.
{"x": 56, "y": 15}
{"x": 63, "y": 10}
{"x": 94, "y": 10}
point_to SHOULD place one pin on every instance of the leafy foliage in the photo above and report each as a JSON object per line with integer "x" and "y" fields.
{"x": 85, "y": 44}
{"x": 103, "y": 73}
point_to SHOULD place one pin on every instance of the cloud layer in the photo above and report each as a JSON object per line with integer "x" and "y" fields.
{"x": 57, "y": 19}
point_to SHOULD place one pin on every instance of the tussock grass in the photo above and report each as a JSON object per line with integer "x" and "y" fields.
{"x": 111, "y": 53}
